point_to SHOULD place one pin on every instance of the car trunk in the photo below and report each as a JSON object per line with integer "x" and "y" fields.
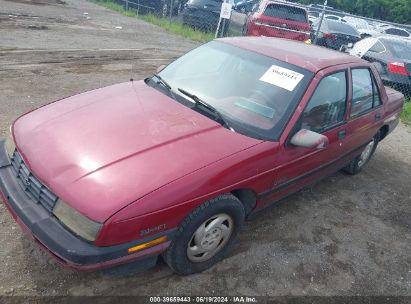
{"x": 273, "y": 27}
{"x": 282, "y": 21}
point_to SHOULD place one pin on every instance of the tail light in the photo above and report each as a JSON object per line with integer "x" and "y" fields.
{"x": 329, "y": 36}
{"x": 398, "y": 68}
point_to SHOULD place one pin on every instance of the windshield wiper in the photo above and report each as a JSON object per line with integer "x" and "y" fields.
{"x": 206, "y": 105}
{"x": 164, "y": 84}
{"x": 162, "y": 81}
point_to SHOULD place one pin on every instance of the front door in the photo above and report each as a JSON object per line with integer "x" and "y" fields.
{"x": 324, "y": 113}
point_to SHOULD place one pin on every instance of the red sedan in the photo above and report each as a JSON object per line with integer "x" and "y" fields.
{"x": 172, "y": 165}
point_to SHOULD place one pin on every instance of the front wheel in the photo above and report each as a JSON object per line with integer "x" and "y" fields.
{"x": 206, "y": 235}
{"x": 358, "y": 163}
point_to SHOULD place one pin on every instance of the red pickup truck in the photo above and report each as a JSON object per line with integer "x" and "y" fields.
{"x": 172, "y": 165}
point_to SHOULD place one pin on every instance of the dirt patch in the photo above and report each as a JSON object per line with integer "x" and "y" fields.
{"x": 40, "y": 2}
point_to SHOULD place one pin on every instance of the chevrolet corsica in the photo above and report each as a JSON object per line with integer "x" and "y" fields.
{"x": 172, "y": 165}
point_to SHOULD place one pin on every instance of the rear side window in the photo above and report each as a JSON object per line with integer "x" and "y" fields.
{"x": 286, "y": 12}
{"x": 326, "y": 107}
{"x": 365, "y": 93}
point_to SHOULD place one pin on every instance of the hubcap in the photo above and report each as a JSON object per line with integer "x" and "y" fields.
{"x": 365, "y": 155}
{"x": 210, "y": 238}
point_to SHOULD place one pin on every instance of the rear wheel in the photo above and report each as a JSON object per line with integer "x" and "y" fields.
{"x": 206, "y": 235}
{"x": 358, "y": 163}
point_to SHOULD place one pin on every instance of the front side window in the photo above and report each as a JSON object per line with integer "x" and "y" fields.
{"x": 326, "y": 107}
{"x": 365, "y": 92}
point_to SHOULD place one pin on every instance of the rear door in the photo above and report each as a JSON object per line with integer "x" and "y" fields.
{"x": 284, "y": 21}
{"x": 365, "y": 110}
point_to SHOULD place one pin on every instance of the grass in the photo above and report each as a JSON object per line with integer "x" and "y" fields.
{"x": 406, "y": 112}
{"x": 173, "y": 27}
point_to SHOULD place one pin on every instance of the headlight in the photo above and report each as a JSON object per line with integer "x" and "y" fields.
{"x": 10, "y": 145}
{"x": 76, "y": 222}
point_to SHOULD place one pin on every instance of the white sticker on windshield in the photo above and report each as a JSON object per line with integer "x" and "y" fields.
{"x": 281, "y": 77}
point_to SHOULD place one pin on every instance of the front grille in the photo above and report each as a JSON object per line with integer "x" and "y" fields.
{"x": 31, "y": 185}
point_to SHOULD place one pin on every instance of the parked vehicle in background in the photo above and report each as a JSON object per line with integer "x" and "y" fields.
{"x": 334, "y": 17}
{"x": 334, "y": 34}
{"x": 279, "y": 19}
{"x": 364, "y": 28}
{"x": 392, "y": 58}
{"x": 204, "y": 15}
{"x": 358, "y": 23}
{"x": 245, "y": 6}
{"x": 395, "y": 31}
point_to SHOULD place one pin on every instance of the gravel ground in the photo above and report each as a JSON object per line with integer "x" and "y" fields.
{"x": 344, "y": 236}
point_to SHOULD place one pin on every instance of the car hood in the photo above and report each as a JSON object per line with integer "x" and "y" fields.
{"x": 101, "y": 150}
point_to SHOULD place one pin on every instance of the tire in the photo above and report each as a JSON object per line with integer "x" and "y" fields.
{"x": 358, "y": 163}
{"x": 200, "y": 232}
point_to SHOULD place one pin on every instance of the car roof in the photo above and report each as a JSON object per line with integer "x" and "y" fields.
{"x": 309, "y": 57}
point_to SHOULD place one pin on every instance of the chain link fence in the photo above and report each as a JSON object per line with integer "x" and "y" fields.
{"x": 386, "y": 44}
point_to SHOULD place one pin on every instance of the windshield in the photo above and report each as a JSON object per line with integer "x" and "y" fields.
{"x": 254, "y": 93}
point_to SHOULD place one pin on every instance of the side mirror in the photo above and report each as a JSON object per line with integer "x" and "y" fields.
{"x": 350, "y": 45}
{"x": 309, "y": 139}
{"x": 160, "y": 68}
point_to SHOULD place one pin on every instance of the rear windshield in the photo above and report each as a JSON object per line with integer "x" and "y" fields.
{"x": 286, "y": 12}
{"x": 343, "y": 28}
{"x": 400, "y": 49}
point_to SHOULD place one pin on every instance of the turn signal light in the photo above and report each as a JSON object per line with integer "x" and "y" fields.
{"x": 148, "y": 244}
{"x": 398, "y": 68}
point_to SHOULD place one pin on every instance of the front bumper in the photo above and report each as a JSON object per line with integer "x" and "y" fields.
{"x": 56, "y": 240}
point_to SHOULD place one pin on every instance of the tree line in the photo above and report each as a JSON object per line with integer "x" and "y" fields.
{"x": 398, "y": 11}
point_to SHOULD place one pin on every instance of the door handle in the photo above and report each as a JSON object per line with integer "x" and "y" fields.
{"x": 377, "y": 116}
{"x": 341, "y": 134}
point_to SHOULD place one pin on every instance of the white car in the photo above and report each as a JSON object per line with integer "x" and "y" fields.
{"x": 363, "y": 27}
{"x": 334, "y": 17}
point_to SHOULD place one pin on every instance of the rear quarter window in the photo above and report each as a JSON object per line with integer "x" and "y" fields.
{"x": 286, "y": 12}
